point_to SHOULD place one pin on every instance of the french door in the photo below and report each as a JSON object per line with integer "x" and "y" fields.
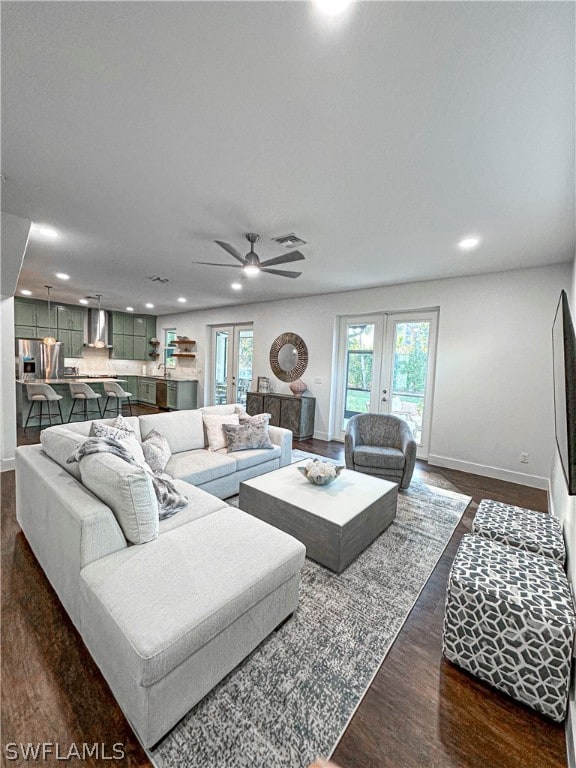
{"x": 386, "y": 365}
{"x": 232, "y": 353}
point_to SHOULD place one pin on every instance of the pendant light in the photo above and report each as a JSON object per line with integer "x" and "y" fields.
{"x": 49, "y": 340}
{"x": 99, "y": 343}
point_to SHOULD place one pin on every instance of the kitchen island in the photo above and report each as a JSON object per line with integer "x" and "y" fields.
{"x": 181, "y": 394}
{"x": 61, "y": 387}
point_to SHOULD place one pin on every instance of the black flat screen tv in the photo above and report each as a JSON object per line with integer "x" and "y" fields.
{"x": 564, "y": 354}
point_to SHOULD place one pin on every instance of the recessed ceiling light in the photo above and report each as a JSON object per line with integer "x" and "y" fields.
{"x": 468, "y": 243}
{"x": 236, "y": 286}
{"x": 83, "y": 301}
{"x": 26, "y": 292}
{"x": 332, "y": 7}
{"x": 182, "y": 300}
{"x": 44, "y": 231}
{"x": 149, "y": 306}
{"x": 62, "y": 276}
{"x": 129, "y": 309}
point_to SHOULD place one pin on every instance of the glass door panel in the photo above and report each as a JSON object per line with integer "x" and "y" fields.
{"x": 232, "y": 355}
{"x": 221, "y": 348}
{"x": 386, "y": 365}
{"x": 243, "y": 368}
{"x": 409, "y": 357}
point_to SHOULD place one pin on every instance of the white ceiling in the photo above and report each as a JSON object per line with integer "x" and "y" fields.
{"x": 143, "y": 131}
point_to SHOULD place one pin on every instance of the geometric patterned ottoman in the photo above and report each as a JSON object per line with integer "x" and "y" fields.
{"x": 524, "y": 528}
{"x": 510, "y": 621}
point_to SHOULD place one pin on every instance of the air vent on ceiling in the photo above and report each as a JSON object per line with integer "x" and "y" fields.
{"x": 158, "y": 279}
{"x": 289, "y": 241}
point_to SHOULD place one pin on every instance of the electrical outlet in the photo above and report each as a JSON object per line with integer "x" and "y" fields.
{"x": 524, "y": 458}
{"x": 317, "y": 380}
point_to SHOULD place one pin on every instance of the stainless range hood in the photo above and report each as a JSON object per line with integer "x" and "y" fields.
{"x": 98, "y": 329}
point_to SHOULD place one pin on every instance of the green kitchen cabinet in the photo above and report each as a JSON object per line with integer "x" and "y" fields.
{"x": 42, "y": 315}
{"x": 139, "y": 325}
{"x": 140, "y": 348}
{"x": 182, "y": 395}
{"x": 72, "y": 343}
{"x": 70, "y": 319}
{"x": 131, "y": 386}
{"x": 25, "y": 332}
{"x": 128, "y": 325}
{"x": 33, "y": 314}
{"x": 24, "y": 312}
{"x": 128, "y": 347}
{"x": 151, "y": 327}
{"x": 118, "y": 346}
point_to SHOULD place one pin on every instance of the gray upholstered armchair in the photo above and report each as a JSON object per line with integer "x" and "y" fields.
{"x": 381, "y": 445}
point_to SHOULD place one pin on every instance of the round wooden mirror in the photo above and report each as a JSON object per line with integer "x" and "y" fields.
{"x": 288, "y": 357}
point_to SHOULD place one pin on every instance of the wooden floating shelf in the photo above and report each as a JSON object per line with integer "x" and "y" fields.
{"x": 183, "y": 342}
{"x": 183, "y": 354}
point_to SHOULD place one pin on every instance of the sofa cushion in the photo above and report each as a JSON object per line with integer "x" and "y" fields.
{"x": 127, "y": 490}
{"x": 157, "y": 604}
{"x": 214, "y": 426}
{"x": 200, "y": 466}
{"x": 377, "y": 456}
{"x": 184, "y": 430}
{"x": 252, "y": 458}
{"x": 220, "y": 410}
{"x": 84, "y": 427}
{"x": 200, "y": 504}
{"x": 59, "y": 443}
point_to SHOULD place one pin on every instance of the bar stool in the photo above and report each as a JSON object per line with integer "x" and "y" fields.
{"x": 82, "y": 393}
{"x": 113, "y": 390}
{"x": 42, "y": 393}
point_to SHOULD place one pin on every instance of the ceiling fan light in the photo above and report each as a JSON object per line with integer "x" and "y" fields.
{"x": 251, "y": 270}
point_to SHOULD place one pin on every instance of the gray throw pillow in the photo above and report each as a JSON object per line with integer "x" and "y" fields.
{"x": 124, "y": 433}
{"x": 156, "y": 451}
{"x": 244, "y": 437}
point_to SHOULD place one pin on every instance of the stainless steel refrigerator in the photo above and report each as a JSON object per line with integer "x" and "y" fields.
{"x": 36, "y": 360}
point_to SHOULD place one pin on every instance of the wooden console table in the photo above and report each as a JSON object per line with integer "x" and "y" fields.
{"x": 294, "y": 413}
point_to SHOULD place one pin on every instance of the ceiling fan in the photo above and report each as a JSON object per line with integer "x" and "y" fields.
{"x": 251, "y": 264}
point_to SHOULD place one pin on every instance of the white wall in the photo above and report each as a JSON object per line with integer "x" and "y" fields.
{"x": 15, "y": 232}
{"x": 493, "y": 388}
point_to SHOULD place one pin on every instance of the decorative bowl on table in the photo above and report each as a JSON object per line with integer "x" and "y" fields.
{"x": 320, "y": 472}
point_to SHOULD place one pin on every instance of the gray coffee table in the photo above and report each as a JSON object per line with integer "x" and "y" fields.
{"x": 336, "y": 522}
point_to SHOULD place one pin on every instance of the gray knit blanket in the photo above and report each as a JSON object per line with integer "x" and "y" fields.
{"x": 169, "y": 500}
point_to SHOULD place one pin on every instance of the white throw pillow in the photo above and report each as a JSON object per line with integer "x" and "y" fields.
{"x": 214, "y": 431}
{"x": 127, "y": 490}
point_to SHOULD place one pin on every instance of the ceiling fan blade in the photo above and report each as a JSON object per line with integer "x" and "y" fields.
{"x": 284, "y": 259}
{"x": 212, "y": 264}
{"x": 281, "y": 272}
{"x": 231, "y": 250}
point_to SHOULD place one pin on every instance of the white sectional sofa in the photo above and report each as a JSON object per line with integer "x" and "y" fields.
{"x": 165, "y": 620}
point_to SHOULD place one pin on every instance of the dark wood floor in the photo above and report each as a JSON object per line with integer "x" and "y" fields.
{"x": 419, "y": 711}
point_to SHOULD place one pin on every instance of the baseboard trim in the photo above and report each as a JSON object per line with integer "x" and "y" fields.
{"x": 533, "y": 481}
{"x": 7, "y": 465}
{"x": 322, "y": 436}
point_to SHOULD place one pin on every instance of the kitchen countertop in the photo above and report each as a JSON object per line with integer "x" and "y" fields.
{"x": 69, "y": 380}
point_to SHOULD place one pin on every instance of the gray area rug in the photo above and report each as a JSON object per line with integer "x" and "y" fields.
{"x": 291, "y": 700}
